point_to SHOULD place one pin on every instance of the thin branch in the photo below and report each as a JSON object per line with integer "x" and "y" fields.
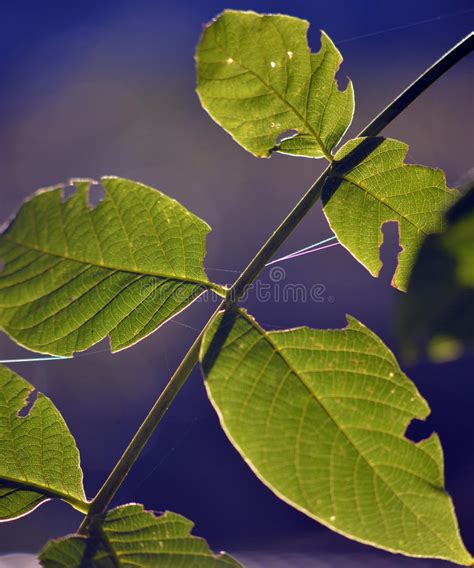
{"x": 143, "y": 434}
{"x": 105, "y": 495}
{"x": 432, "y": 74}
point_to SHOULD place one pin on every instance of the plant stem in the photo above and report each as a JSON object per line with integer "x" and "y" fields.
{"x": 105, "y": 495}
{"x": 444, "y": 63}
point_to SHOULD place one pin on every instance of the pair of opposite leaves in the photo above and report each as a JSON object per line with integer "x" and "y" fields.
{"x": 327, "y": 410}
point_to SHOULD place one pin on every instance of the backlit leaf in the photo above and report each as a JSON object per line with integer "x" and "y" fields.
{"x": 258, "y": 79}
{"x": 130, "y": 536}
{"x": 75, "y": 274}
{"x": 39, "y": 459}
{"x": 370, "y": 185}
{"x": 320, "y": 417}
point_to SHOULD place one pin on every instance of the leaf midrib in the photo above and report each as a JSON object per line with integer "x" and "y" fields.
{"x": 303, "y": 119}
{"x": 380, "y": 201}
{"x": 197, "y": 281}
{"x": 47, "y": 491}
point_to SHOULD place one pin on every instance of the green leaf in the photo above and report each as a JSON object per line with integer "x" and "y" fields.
{"x": 320, "y": 417}
{"x": 370, "y": 185}
{"x": 39, "y": 458}
{"x": 75, "y": 274}
{"x": 257, "y": 78}
{"x": 437, "y": 313}
{"x": 130, "y": 536}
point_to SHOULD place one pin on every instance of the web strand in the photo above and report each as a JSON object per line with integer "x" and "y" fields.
{"x": 306, "y": 250}
{"x": 406, "y": 26}
{"x": 31, "y": 359}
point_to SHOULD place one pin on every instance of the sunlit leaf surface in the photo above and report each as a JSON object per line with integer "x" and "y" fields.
{"x": 258, "y": 79}
{"x": 39, "y": 459}
{"x": 131, "y": 537}
{"x": 75, "y": 274}
{"x": 370, "y": 185}
{"x": 320, "y": 417}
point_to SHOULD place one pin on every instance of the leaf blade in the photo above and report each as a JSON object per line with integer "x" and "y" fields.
{"x": 258, "y": 79}
{"x": 131, "y": 533}
{"x": 371, "y": 185}
{"x": 320, "y": 417}
{"x": 35, "y": 467}
{"x": 75, "y": 274}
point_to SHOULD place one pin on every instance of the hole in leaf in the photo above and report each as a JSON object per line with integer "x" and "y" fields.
{"x": 341, "y": 80}
{"x": 286, "y": 134}
{"x": 28, "y": 404}
{"x": 419, "y": 430}
{"x": 389, "y": 250}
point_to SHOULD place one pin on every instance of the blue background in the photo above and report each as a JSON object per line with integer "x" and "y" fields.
{"x": 96, "y": 88}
